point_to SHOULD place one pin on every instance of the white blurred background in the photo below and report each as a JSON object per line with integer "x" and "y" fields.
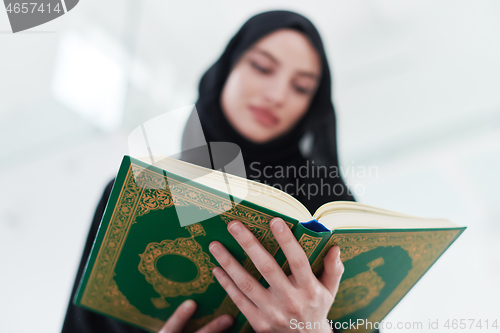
{"x": 417, "y": 93}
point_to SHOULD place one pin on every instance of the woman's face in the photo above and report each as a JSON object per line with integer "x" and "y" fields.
{"x": 271, "y": 86}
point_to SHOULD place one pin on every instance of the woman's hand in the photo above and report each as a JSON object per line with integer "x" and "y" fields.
{"x": 180, "y": 317}
{"x": 290, "y": 302}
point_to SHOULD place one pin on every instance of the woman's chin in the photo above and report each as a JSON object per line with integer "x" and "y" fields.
{"x": 259, "y": 138}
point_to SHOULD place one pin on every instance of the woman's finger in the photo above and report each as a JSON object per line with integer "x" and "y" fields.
{"x": 246, "y": 306}
{"x": 243, "y": 280}
{"x": 333, "y": 270}
{"x": 179, "y": 318}
{"x": 217, "y": 325}
{"x": 262, "y": 259}
{"x": 297, "y": 259}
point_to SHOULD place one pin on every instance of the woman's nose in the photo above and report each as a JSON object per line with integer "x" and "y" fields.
{"x": 276, "y": 91}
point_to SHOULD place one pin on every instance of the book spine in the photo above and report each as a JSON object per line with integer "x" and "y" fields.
{"x": 311, "y": 241}
{"x": 317, "y": 263}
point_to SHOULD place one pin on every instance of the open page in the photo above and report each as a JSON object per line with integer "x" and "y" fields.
{"x": 340, "y": 214}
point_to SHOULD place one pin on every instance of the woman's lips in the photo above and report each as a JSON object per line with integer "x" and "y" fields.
{"x": 264, "y": 116}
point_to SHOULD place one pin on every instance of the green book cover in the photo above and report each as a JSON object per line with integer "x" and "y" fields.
{"x": 143, "y": 264}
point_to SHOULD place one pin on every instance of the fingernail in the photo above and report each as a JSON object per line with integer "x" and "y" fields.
{"x": 235, "y": 228}
{"x": 188, "y": 304}
{"x": 214, "y": 249}
{"x": 277, "y": 224}
{"x": 225, "y": 321}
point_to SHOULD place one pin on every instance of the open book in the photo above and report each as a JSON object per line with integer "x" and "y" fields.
{"x": 333, "y": 215}
{"x": 151, "y": 250}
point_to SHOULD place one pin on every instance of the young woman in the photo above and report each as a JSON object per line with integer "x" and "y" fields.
{"x": 269, "y": 93}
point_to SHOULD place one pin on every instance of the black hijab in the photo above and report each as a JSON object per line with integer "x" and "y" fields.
{"x": 317, "y": 126}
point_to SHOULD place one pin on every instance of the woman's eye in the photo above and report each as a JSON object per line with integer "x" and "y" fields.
{"x": 260, "y": 68}
{"x": 302, "y": 90}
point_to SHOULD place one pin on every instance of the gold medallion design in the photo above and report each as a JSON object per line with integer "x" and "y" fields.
{"x": 143, "y": 191}
{"x": 423, "y": 247}
{"x": 357, "y": 292}
{"x": 187, "y": 248}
